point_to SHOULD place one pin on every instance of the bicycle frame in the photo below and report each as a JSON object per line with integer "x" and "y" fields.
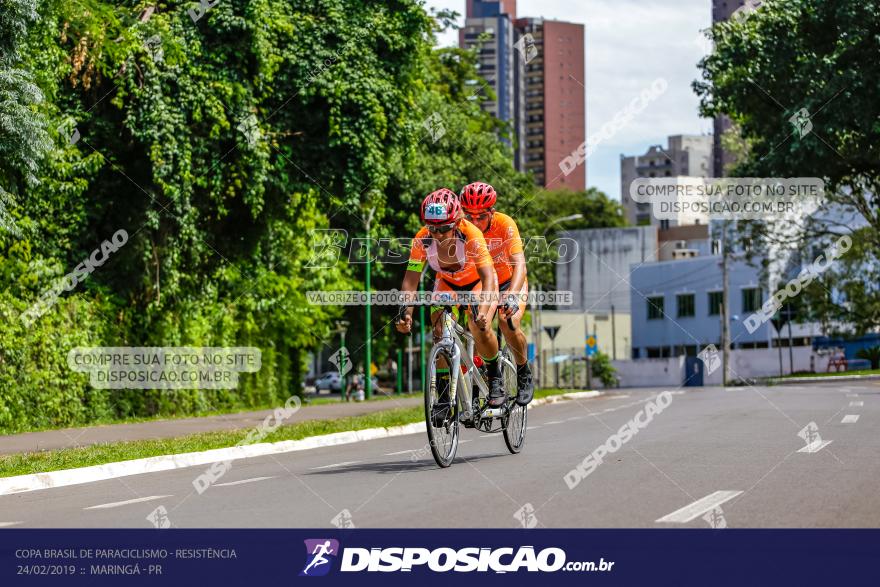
{"x": 460, "y": 352}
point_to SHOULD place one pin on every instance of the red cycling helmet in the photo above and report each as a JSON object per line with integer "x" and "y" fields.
{"x": 441, "y": 207}
{"x": 478, "y": 196}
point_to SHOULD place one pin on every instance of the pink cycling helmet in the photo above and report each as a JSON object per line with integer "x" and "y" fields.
{"x": 441, "y": 207}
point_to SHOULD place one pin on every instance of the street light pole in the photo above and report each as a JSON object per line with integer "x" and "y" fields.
{"x": 562, "y": 219}
{"x": 368, "y": 379}
{"x": 725, "y": 308}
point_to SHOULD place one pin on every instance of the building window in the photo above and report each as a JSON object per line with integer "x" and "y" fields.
{"x": 685, "y": 303}
{"x": 715, "y": 298}
{"x": 687, "y": 350}
{"x": 751, "y": 299}
{"x": 664, "y": 224}
{"x": 655, "y": 308}
{"x": 653, "y": 352}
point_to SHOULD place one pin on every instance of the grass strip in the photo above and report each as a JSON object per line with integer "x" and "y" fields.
{"x": 99, "y": 454}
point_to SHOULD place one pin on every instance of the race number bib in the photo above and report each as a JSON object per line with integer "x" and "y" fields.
{"x": 436, "y": 212}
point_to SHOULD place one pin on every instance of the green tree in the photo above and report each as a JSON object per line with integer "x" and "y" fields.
{"x": 812, "y": 55}
{"x": 800, "y": 79}
{"x": 23, "y": 138}
{"x": 871, "y": 354}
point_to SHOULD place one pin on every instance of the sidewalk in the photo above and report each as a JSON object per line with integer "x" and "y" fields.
{"x": 86, "y": 436}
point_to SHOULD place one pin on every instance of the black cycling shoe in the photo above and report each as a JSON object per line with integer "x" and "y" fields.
{"x": 496, "y": 392}
{"x": 525, "y": 387}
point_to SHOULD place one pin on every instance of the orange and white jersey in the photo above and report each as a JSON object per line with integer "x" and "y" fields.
{"x": 502, "y": 238}
{"x": 471, "y": 253}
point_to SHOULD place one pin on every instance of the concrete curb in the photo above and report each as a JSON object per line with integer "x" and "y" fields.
{"x": 833, "y": 378}
{"x": 66, "y": 477}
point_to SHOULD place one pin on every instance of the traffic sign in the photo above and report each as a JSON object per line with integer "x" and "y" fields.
{"x": 551, "y": 331}
{"x": 592, "y": 346}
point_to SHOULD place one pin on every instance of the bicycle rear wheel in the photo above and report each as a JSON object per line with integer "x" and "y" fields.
{"x": 442, "y": 439}
{"x": 515, "y": 421}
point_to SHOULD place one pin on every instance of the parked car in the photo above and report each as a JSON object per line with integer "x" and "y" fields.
{"x": 329, "y": 380}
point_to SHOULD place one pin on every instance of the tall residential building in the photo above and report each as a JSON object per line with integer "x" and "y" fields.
{"x": 722, "y": 10}
{"x": 555, "y": 100}
{"x": 535, "y": 68}
{"x": 686, "y": 155}
{"x": 490, "y": 27}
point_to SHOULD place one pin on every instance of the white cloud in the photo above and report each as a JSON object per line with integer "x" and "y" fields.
{"x": 629, "y": 43}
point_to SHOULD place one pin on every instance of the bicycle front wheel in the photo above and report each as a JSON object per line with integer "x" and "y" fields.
{"x": 515, "y": 422}
{"x": 441, "y": 413}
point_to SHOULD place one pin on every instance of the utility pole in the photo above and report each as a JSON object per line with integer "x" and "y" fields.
{"x": 368, "y": 383}
{"x": 790, "y": 343}
{"x": 613, "y": 336}
{"x": 586, "y": 338}
{"x": 725, "y": 307}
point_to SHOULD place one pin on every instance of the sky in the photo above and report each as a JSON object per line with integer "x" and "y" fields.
{"x": 629, "y": 44}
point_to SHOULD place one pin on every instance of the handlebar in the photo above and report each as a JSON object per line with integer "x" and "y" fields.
{"x": 402, "y": 312}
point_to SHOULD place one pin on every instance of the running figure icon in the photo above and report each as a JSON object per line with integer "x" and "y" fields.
{"x": 319, "y": 550}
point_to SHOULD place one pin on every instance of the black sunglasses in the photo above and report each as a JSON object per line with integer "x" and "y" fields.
{"x": 481, "y": 216}
{"x": 440, "y": 228}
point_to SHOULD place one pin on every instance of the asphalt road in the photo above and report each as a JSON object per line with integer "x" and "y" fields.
{"x": 735, "y": 454}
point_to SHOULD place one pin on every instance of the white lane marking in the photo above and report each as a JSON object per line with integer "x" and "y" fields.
{"x": 486, "y": 435}
{"x": 8, "y": 524}
{"x": 552, "y": 422}
{"x": 856, "y": 404}
{"x": 701, "y": 506}
{"x": 401, "y": 452}
{"x": 575, "y": 418}
{"x": 342, "y": 464}
{"x": 463, "y": 441}
{"x": 532, "y": 427}
{"x": 850, "y": 419}
{"x": 815, "y": 447}
{"x": 243, "y": 481}
{"x": 852, "y": 395}
{"x": 117, "y": 504}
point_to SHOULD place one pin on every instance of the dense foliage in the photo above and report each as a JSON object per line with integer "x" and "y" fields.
{"x": 224, "y": 140}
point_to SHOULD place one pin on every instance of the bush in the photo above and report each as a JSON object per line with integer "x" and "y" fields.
{"x": 871, "y": 354}
{"x": 604, "y": 370}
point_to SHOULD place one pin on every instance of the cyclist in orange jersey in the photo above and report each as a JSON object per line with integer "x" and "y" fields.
{"x": 456, "y": 250}
{"x": 506, "y": 247}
